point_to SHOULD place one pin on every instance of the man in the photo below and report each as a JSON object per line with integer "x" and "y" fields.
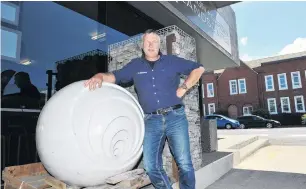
{"x": 27, "y": 89}
{"x": 156, "y": 78}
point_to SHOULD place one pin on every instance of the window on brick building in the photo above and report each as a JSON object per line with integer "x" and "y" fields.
{"x": 247, "y": 110}
{"x": 233, "y": 87}
{"x": 285, "y": 104}
{"x": 282, "y": 81}
{"x": 272, "y": 105}
{"x": 299, "y": 103}
{"x": 210, "y": 90}
{"x": 211, "y": 108}
{"x": 296, "y": 80}
{"x": 242, "y": 86}
{"x": 269, "y": 83}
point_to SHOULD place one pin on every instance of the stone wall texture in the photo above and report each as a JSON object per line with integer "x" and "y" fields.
{"x": 184, "y": 46}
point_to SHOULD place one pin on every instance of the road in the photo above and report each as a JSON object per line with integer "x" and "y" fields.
{"x": 286, "y": 136}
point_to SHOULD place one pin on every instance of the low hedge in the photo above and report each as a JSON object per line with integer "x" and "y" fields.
{"x": 288, "y": 118}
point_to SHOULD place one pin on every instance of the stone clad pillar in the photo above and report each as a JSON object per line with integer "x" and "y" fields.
{"x": 177, "y": 42}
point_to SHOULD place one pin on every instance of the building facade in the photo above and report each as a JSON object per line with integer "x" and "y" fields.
{"x": 277, "y": 84}
{"x": 52, "y": 44}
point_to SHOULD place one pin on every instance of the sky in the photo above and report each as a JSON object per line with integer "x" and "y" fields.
{"x": 270, "y": 28}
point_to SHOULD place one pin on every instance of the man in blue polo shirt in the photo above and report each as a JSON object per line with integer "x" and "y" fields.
{"x": 156, "y": 78}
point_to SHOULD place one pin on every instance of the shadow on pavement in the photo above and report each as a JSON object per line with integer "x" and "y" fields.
{"x": 253, "y": 179}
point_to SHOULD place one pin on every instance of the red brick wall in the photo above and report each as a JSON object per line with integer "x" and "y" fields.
{"x": 249, "y": 98}
{"x": 255, "y": 84}
{"x": 210, "y": 78}
{"x": 277, "y": 68}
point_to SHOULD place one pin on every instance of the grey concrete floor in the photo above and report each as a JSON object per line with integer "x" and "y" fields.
{"x": 272, "y": 167}
{"x": 254, "y": 179}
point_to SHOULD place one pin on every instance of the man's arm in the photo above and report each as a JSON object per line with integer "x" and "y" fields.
{"x": 194, "y": 77}
{"x": 107, "y": 77}
{"x": 124, "y": 74}
{"x": 194, "y": 71}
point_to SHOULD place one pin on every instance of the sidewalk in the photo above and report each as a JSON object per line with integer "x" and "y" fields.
{"x": 290, "y": 159}
{"x": 252, "y": 179}
{"x": 272, "y": 167}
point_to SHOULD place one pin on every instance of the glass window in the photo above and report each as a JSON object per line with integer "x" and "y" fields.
{"x": 210, "y": 90}
{"x": 10, "y": 44}
{"x": 272, "y": 106}
{"x": 247, "y": 110}
{"x": 285, "y": 104}
{"x": 282, "y": 81}
{"x": 233, "y": 87}
{"x": 296, "y": 80}
{"x": 51, "y": 44}
{"x": 9, "y": 13}
{"x": 269, "y": 83}
{"x": 211, "y": 108}
{"x": 299, "y": 103}
{"x": 242, "y": 86}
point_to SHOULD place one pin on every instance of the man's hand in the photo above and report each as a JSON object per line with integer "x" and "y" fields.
{"x": 94, "y": 81}
{"x": 180, "y": 92}
{"x": 98, "y": 79}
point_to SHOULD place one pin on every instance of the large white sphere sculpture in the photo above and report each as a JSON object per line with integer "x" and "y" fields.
{"x": 84, "y": 137}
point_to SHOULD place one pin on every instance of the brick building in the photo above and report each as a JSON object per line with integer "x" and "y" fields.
{"x": 277, "y": 84}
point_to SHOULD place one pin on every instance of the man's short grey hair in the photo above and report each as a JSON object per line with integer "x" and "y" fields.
{"x": 148, "y": 31}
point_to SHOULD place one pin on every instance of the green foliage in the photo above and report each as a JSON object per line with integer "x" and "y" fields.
{"x": 304, "y": 119}
{"x": 262, "y": 112}
{"x": 221, "y": 111}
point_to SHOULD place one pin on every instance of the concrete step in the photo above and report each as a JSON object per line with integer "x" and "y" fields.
{"x": 251, "y": 149}
{"x": 213, "y": 171}
{"x": 244, "y": 142}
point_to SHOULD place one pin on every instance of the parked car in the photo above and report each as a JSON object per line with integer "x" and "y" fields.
{"x": 257, "y": 121}
{"x": 223, "y": 121}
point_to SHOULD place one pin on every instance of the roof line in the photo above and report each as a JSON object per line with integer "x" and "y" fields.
{"x": 275, "y": 58}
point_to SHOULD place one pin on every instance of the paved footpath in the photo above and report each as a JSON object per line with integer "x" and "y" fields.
{"x": 272, "y": 167}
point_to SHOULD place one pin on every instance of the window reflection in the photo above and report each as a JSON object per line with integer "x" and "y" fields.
{"x": 51, "y": 34}
{"x": 9, "y": 13}
{"x": 51, "y": 47}
{"x": 9, "y": 43}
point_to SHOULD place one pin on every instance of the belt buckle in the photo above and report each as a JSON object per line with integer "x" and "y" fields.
{"x": 164, "y": 110}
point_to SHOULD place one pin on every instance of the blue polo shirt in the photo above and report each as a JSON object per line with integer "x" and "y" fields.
{"x": 156, "y": 86}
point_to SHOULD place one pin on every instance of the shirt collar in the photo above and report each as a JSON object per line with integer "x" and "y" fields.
{"x": 159, "y": 53}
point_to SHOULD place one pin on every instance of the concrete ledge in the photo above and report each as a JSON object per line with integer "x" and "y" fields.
{"x": 251, "y": 149}
{"x": 244, "y": 143}
{"x": 242, "y": 147}
{"x": 234, "y": 141}
{"x": 214, "y": 170}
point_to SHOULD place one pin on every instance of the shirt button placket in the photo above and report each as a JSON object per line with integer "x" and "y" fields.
{"x": 154, "y": 86}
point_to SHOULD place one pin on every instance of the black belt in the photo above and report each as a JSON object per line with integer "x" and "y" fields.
{"x": 162, "y": 111}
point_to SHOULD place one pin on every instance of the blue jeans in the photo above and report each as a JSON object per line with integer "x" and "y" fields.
{"x": 174, "y": 127}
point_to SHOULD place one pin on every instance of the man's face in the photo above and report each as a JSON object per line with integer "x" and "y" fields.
{"x": 151, "y": 45}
